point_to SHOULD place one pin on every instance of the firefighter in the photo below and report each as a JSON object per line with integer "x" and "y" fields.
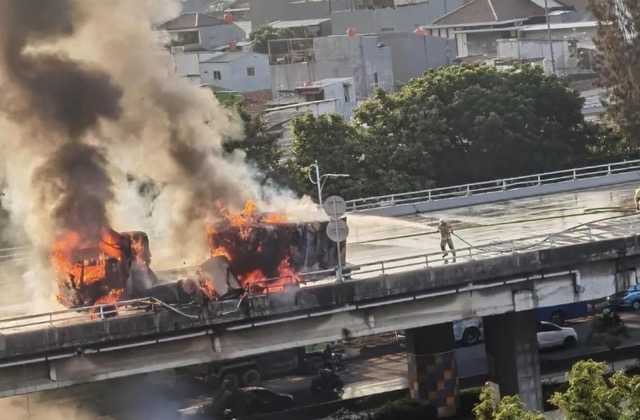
{"x": 638, "y": 199}
{"x": 445, "y": 239}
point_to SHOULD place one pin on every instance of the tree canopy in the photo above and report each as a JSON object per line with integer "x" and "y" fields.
{"x": 618, "y": 61}
{"x": 451, "y": 126}
{"x": 263, "y": 34}
{"x": 589, "y": 396}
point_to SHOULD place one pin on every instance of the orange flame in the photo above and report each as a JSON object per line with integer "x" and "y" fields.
{"x": 137, "y": 245}
{"x": 244, "y": 220}
{"x": 79, "y": 261}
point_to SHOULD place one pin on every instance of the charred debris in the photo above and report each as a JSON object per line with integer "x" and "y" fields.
{"x": 244, "y": 258}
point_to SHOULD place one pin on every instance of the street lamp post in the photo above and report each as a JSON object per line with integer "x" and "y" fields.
{"x": 546, "y": 14}
{"x": 554, "y": 11}
{"x": 321, "y": 179}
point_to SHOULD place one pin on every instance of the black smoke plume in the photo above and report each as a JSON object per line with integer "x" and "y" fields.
{"x": 60, "y": 100}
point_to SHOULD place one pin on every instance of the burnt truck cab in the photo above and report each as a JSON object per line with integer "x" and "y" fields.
{"x": 119, "y": 262}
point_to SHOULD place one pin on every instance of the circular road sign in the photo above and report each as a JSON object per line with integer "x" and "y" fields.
{"x": 337, "y": 230}
{"x": 335, "y": 206}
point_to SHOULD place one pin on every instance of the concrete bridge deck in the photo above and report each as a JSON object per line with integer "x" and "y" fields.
{"x": 66, "y": 353}
{"x": 375, "y": 238}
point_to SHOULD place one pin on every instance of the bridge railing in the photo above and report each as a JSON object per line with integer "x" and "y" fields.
{"x": 492, "y": 186}
{"x": 86, "y": 313}
{"x": 613, "y": 227}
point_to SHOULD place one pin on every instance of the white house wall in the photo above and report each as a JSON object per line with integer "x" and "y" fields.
{"x": 357, "y": 57}
{"x": 234, "y": 74}
{"x": 528, "y": 49}
{"x": 342, "y": 106}
{"x": 188, "y": 64}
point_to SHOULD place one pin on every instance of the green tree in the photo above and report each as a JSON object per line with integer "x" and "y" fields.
{"x": 618, "y": 61}
{"x": 263, "y": 34}
{"x": 456, "y": 125}
{"x": 402, "y": 137}
{"x": 478, "y": 123}
{"x": 406, "y": 409}
{"x": 508, "y": 408}
{"x": 590, "y": 396}
{"x": 337, "y": 148}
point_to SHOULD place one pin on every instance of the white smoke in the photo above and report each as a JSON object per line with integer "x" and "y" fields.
{"x": 166, "y": 130}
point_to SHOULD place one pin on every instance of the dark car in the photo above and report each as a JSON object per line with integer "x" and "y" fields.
{"x": 263, "y": 400}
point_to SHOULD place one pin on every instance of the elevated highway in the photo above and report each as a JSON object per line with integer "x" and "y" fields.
{"x": 374, "y": 238}
{"x": 60, "y": 349}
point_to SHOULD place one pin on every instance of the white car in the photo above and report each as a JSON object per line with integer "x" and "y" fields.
{"x": 550, "y": 335}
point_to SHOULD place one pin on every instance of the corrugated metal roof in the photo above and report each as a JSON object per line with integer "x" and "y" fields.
{"x": 280, "y": 24}
{"x": 568, "y": 25}
{"x": 191, "y": 21}
{"x": 228, "y": 57}
{"x": 490, "y": 11}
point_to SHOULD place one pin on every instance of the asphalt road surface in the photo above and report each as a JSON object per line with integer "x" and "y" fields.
{"x": 158, "y": 396}
{"x": 389, "y": 372}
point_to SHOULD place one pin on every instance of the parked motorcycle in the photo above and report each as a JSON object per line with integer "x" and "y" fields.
{"x": 339, "y": 365}
{"x": 327, "y": 381}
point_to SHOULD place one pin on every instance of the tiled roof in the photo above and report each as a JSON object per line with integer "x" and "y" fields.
{"x": 490, "y": 11}
{"x": 191, "y": 21}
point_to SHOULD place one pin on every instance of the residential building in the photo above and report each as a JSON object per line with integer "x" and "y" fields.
{"x": 186, "y": 62}
{"x": 593, "y": 108}
{"x": 340, "y": 90}
{"x": 567, "y": 47}
{"x": 397, "y": 19}
{"x": 306, "y": 28}
{"x": 237, "y": 71}
{"x": 413, "y": 54}
{"x": 386, "y": 60}
{"x": 195, "y": 6}
{"x": 478, "y": 25}
{"x": 294, "y": 62}
{"x": 266, "y": 11}
{"x": 203, "y": 30}
{"x": 328, "y": 96}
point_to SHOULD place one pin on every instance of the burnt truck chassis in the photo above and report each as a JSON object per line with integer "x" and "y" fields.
{"x": 261, "y": 247}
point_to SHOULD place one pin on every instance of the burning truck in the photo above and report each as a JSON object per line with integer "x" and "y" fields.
{"x": 250, "y": 252}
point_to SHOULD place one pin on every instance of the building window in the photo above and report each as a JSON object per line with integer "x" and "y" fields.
{"x": 251, "y": 71}
{"x": 347, "y": 95}
{"x": 375, "y": 79}
{"x": 217, "y": 75}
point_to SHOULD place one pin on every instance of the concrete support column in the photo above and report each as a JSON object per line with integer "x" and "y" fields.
{"x": 433, "y": 373}
{"x": 512, "y": 356}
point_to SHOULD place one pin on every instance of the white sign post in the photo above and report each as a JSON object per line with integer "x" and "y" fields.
{"x": 337, "y": 229}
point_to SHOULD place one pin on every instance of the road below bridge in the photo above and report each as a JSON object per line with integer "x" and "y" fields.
{"x": 379, "y": 368}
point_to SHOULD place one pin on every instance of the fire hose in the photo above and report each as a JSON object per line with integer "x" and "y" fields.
{"x": 549, "y": 237}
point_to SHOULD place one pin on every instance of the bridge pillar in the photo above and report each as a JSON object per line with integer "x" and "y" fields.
{"x": 512, "y": 356}
{"x": 433, "y": 373}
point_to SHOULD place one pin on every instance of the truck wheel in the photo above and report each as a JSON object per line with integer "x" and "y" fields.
{"x": 251, "y": 378}
{"x": 230, "y": 382}
{"x": 471, "y": 336}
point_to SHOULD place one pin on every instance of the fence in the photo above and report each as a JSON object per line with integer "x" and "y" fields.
{"x": 493, "y": 186}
